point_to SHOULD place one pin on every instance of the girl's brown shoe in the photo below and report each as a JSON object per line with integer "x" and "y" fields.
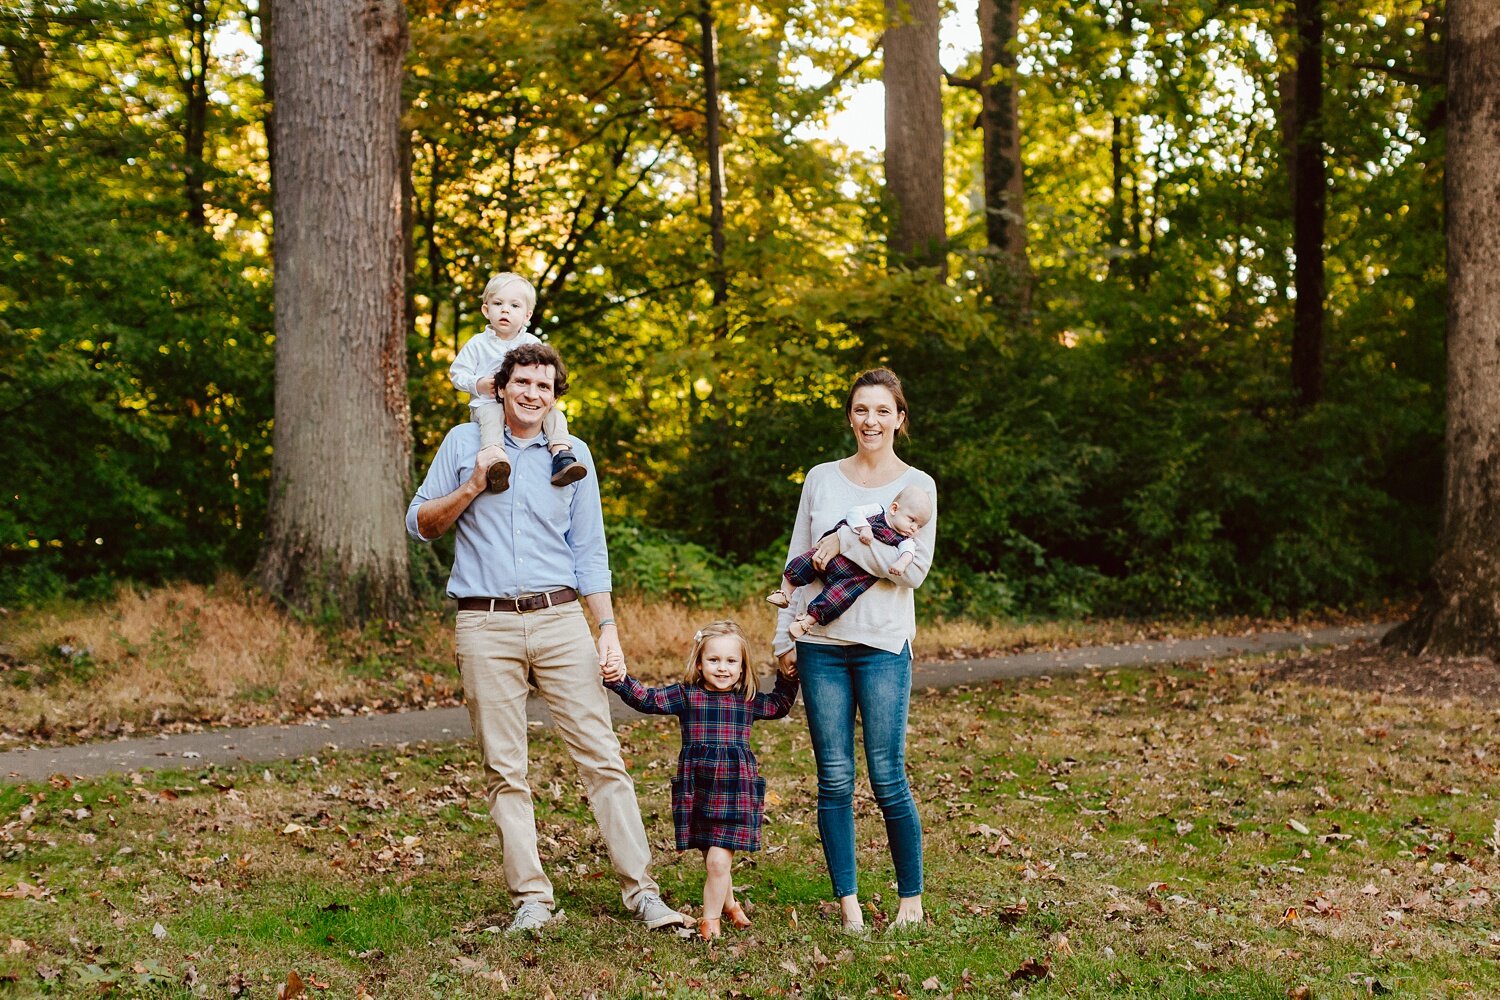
{"x": 736, "y": 914}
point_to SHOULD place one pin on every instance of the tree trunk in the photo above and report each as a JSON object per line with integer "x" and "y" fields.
{"x": 1460, "y": 615}
{"x": 914, "y": 134}
{"x": 268, "y": 89}
{"x": 1309, "y": 205}
{"x": 193, "y": 78}
{"x": 1114, "y": 232}
{"x": 710, "y": 55}
{"x": 334, "y": 536}
{"x": 1000, "y": 121}
{"x": 408, "y": 237}
{"x": 22, "y": 35}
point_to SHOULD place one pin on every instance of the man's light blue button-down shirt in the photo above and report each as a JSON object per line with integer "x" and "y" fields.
{"x": 532, "y": 538}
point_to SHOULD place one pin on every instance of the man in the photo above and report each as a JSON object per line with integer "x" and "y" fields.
{"x": 522, "y": 560}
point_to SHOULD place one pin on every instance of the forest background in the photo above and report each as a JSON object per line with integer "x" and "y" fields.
{"x": 1108, "y": 404}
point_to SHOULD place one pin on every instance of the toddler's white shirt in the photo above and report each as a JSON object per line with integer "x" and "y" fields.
{"x": 481, "y": 356}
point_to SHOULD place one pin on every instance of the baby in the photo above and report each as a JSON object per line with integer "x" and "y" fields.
{"x": 843, "y": 579}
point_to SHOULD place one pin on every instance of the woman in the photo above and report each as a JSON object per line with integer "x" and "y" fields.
{"x": 861, "y": 661}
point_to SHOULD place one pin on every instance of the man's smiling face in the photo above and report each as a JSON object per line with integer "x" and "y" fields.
{"x": 527, "y": 396}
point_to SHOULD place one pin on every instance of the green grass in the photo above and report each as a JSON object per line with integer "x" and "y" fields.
{"x": 1129, "y": 834}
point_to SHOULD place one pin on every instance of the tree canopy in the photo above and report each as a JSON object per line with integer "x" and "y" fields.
{"x": 1129, "y": 440}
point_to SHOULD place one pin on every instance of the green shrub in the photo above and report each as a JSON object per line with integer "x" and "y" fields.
{"x": 655, "y": 563}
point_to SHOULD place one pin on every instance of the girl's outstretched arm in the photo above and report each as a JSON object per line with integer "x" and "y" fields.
{"x": 669, "y": 700}
{"x": 779, "y": 702}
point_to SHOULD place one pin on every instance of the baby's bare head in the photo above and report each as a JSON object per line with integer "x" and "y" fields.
{"x": 910, "y": 511}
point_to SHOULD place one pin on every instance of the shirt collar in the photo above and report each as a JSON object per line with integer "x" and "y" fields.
{"x": 540, "y": 439}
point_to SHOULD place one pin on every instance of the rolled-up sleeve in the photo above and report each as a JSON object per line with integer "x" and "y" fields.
{"x": 801, "y": 541}
{"x": 442, "y": 479}
{"x": 586, "y": 529}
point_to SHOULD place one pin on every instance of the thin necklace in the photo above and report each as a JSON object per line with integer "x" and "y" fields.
{"x": 862, "y": 479}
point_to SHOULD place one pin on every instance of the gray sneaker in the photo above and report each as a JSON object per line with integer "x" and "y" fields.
{"x": 531, "y": 917}
{"x": 655, "y": 914}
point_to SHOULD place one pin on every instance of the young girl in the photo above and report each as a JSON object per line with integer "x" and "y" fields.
{"x": 718, "y": 794}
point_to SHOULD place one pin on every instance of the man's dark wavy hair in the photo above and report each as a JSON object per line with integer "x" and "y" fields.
{"x": 532, "y": 354}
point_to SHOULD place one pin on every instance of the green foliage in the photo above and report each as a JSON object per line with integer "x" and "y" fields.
{"x": 135, "y": 348}
{"x": 138, "y": 361}
{"x": 657, "y": 564}
{"x": 1126, "y": 443}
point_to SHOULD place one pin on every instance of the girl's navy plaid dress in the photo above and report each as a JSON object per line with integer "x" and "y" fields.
{"x": 718, "y": 794}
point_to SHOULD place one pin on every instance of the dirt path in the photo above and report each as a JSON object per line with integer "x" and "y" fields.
{"x": 259, "y": 744}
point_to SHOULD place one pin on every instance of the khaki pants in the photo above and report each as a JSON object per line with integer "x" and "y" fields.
{"x": 491, "y": 420}
{"x": 501, "y": 655}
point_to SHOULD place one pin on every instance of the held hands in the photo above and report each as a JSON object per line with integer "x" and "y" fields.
{"x": 865, "y": 534}
{"x": 826, "y": 549}
{"x": 611, "y": 656}
{"x": 786, "y": 663}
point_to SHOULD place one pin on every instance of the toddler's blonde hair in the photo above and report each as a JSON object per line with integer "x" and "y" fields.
{"x": 499, "y": 281}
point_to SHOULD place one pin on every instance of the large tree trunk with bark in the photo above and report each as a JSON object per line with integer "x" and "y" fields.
{"x": 914, "y": 133}
{"x": 339, "y": 473}
{"x": 1309, "y": 204}
{"x": 1460, "y": 615}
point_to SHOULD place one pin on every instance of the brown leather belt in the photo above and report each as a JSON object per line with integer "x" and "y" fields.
{"x": 520, "y": 605}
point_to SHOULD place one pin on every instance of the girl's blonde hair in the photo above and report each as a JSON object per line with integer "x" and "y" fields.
{"x": 747, "y": 685}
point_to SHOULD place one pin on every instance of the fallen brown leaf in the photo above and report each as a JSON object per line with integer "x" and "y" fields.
{"x": 1032, "y": 969}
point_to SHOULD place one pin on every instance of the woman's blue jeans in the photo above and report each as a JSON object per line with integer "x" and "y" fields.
{"x": 837, "y": 681}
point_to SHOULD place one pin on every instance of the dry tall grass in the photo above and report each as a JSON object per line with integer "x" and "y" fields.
{"x": 658, "y": 636}
{"x": 178, "y": 652}
{"x": 224, "y": 653}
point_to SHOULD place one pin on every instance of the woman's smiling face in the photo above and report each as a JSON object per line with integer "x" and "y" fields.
{"x": 874, "y": 417}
